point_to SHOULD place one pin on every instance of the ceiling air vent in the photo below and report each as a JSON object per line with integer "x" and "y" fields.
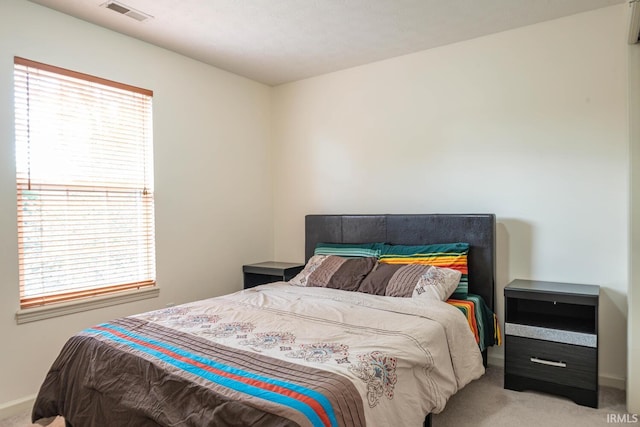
{"x": 126, "y": 10}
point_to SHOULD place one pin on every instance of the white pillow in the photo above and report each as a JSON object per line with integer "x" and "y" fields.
{"x": 437, "y": 283}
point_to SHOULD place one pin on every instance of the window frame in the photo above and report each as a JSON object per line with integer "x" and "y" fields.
{"x": 70, "y": 301}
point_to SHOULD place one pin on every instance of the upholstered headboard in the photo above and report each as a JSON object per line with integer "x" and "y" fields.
{"x": 479, "y": 230}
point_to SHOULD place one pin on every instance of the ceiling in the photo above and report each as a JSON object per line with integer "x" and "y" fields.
{"x": 279, "y": 41}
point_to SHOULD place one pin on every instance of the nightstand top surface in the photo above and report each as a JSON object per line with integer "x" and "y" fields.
{"x": 552, "y": 287}
{"x": 276, "y": 265}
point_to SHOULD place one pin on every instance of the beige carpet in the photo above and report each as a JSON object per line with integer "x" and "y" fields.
{"x": 485, "y": 403}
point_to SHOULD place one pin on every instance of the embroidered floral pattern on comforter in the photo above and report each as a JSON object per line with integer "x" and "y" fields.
{"x": 378, "y": 371}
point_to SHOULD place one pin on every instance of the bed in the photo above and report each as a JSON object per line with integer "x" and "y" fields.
{"x": 282, "y": 355}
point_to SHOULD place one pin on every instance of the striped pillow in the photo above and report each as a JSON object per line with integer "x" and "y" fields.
{"x": 446, "y": 255}
{"x": 406, "y": 280}
{"x": 331, "y": 271}
{"x": 349, "y": 250}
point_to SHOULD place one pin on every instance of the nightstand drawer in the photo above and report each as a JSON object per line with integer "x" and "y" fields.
{"x": 565, "y": 364}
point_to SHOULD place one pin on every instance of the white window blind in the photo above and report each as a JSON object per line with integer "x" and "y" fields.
{"x": 84, "y": 185}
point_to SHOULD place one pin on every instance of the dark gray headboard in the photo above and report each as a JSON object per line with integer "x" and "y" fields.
{"x": 479, "y": 230}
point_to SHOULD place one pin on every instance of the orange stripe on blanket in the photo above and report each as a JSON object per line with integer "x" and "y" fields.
{"x": 469, "y": 310}
{"x": 453, "y": 263}
{"x": 497, "y": 335}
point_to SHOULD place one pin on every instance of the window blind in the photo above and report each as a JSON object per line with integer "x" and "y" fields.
{"x": 84, "y": 174}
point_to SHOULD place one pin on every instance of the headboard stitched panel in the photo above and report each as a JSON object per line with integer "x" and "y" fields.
{"x": 479, "y": 230}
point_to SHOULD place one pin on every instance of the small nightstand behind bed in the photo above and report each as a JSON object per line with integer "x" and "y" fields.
{"x": 268, "y": 272}
{"x": 551, "y": 339}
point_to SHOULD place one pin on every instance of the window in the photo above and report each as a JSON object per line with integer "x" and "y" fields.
{"x": 84, "y": 185}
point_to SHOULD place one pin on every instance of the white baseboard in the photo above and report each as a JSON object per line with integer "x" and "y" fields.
{"x": 495, "y": 360}
{"x": 605, "y": 380}
{"x": 16, "y": 407}
{"x": 615, "y": 382}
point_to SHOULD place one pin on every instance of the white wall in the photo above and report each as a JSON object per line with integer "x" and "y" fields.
{"x": 633, "y": 350}
{"x": 530, "y": 124}
{"x": 212, "y": 176}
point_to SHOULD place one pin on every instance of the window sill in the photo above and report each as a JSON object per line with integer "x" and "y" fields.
{"x": 62, "y": 309}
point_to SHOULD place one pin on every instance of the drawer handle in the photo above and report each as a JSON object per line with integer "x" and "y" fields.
{"x": 549, "y": 362}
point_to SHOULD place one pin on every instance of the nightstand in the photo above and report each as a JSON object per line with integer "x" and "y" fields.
{"x": 268, "y": 272}
{"x": 551, "y": 339}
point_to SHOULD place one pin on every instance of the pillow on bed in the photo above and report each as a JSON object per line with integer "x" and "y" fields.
{"x": 437, "y": 283}
{"x": 349, "y": 250}
{"x": 445, "y": 255}
{"x": 331, "y": 271}
{"x": 376, "y": 282}
{"x": 404, "y": 280}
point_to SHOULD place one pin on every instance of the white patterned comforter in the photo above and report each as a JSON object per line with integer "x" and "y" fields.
{"x": 406, "y": 356}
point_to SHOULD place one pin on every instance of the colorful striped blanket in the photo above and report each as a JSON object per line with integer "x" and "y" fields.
{"x": 482, "y": 321}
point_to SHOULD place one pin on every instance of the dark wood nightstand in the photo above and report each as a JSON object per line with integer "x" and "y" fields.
{"x": 551, "y": 339}
{"x": 270, "y": 271}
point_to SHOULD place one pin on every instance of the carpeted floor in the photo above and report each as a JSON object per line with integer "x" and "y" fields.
{"x": 24, "y": 420}
{"x": 485, "y": 403}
